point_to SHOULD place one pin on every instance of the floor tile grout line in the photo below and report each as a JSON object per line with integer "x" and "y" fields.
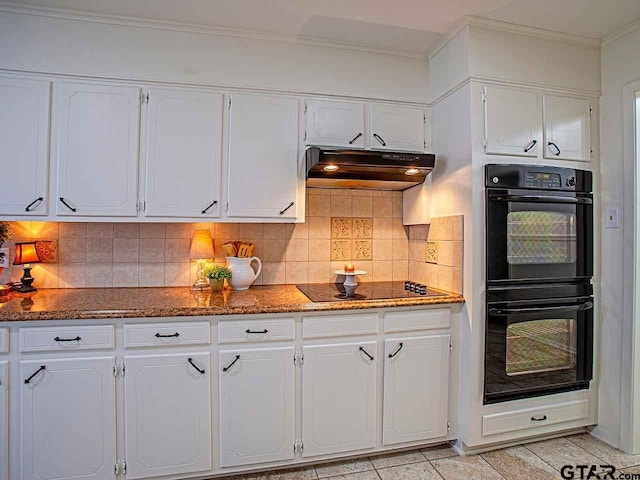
{"x": 542, "y": 459}
{"x": 596, "y": 455}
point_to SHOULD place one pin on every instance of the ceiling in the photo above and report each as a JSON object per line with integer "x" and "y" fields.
{"x": 407, "y": 25}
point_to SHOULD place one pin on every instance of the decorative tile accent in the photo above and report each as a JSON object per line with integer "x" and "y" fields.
{"x": 431, "y": 252}
{"x": 362, "y": 249}
{"x": 341, "y": 227}
{"x": 362, "y": 228}
{"x": 340, "y": 249}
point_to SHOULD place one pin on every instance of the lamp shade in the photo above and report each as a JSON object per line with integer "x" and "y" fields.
{"x": 201, "y": 245}
{"x": 26, "y": 253}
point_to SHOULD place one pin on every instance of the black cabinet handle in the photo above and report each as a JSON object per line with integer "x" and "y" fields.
{"x": 352, "y": 141}
{"x": 207, "y": 209}
{"x": 64, "y": 202}
{"x": 200, "y": 370}
{"x": 539, "y": 419}
{"x": 28, "y": 208}
{"x": 231, "y": 364}
{"x": 28, "y": 380}
{"x": 559, "y": 309}
{"x": 551, "y": 144}
{"x": 391, "y": 355}
{"x": 365, "y": 352}
{"x": 58, "y": 339}
{"x": 379, "y": 138}
{"x": 287, "y": 208}
{"x": 173, "y": 335}
{"x": 530, "y": 146}
{"x": 256, "y": 332}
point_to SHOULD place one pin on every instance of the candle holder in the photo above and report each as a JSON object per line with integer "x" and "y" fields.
{"x": 350, "y": 282}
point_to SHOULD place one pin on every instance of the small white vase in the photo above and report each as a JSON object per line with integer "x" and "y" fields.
{"x": 242, "y": 273}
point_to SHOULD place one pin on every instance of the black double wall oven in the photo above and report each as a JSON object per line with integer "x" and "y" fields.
{"x": 539, "y": 295}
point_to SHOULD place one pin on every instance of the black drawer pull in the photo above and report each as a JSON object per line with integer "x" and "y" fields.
{"x": 28, "y": 208}
{"x": 539, "y": 419}
{"x": 173, "y": 335}
{"x": 231, "y": 364}
{"x": 391, "y": 355}
{"x": 352, "y": 141}
{"x": 207, "y": 209}
{"x": 28, "y": 380}
{"x": 58, "y": 339}
{"x": 530, "y": 146}
{"x": 200, "y": 370}
{"x": 379, "y": 139}
{"x": 64, "y": 202}
{"x": 365, "y": 352}
{"x": 551, "y": 144}
{"x": 256, "y": 332}
{"x": 287, "y": 208}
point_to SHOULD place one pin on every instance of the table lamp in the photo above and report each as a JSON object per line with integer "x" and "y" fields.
{"x": 201, "y": 249}
{"x": 26, "y": 254}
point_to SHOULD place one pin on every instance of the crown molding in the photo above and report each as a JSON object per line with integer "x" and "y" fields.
{"x": 136, "y": 22}
{"x": 451, "y": 33}
{"x": 612, "y": 37}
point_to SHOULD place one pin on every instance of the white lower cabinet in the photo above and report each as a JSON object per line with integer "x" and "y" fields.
{"x": 416, "y": 389}
{"x": 338, "y": 398}
{"x": 167, "y": 414}
{"x": 256, "y": 406}
{"x": 4, "y": 420}
{"x": 68, "y": 418}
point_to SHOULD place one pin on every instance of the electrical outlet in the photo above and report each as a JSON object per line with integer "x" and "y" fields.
{"x": 4, "y": 257}
{"x": 611, "y": 218}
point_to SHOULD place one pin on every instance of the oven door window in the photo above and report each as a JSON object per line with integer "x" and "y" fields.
{"x": 535, "y": 237}
{"x": 540, "y": 346}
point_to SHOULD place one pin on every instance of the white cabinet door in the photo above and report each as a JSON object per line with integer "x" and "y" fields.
{"x": 263, "y": 157}
{"x": 416, "y": 389}
{"x": 68, "y": 418}
{"x": 24, "y": 146}
{"x": 167, "y": 414}
{"x": 184, "y": 152}
{"x": 256, "y": 406}
{"x": 98, "y": 134}
{"x": 512, "y": 120}
{"x": 338, "y": 398}
{"x": 334, "y": 124}
{"x": 567, "y": 128}
{"x": 4, "y": 420}
{"x": 397, "y": 128}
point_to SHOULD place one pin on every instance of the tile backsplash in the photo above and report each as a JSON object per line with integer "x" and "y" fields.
{"x": 342, "y": 226}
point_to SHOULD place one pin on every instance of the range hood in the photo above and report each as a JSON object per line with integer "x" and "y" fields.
{"x": 333, "y": 168}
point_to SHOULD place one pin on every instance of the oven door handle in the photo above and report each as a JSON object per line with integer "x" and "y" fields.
{"x": 540, "y": 199}
{"x": 566, "y": 308}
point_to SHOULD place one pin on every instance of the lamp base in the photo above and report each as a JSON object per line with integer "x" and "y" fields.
{"x": 27, "y": 281}
{"x": 201, "y": 283}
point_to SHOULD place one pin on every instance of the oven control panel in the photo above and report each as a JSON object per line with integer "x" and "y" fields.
{"x": 542, "y": 180}
{"x": 538, "y": 177}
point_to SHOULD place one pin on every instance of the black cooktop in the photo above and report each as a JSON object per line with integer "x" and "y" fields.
{"x": 334, "y": 292}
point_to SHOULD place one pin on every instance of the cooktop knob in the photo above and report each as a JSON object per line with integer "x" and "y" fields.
{"x": 495, "y": 179}
{"x": 571, "y": 181}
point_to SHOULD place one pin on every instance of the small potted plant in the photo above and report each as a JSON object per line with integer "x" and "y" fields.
{"x": 217, "y": 275}
{"x": 5, "y": 234}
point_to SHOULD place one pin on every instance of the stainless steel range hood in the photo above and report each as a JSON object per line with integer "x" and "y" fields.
{"x": 366, "y": 169}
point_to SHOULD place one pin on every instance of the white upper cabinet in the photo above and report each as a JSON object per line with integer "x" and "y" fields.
{"x": 97, "y": 152}
{"x": 256, "y": 406}
{"x": 334, "y": 123}
{"x": 167, "y": 414}
{"x": 263, "y": 157}
{"x": 24, "y": 146}
{"x": 512, "y": 122}
{"x": 416, "y": 389}
{"x": 397, "y": 128}
{"x": 567, "y": 128}
{"x": 4, "y": 420}
{"x": 68, "y": 419}
{"x": 338, "y": 398}
{"x": 184, "y": 150}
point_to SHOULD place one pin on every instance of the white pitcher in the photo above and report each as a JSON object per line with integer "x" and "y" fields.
{"x": 242, "y": 272}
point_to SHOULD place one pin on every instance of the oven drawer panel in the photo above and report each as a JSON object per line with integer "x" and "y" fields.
{"x": 417, "y": 320}
{"x": 256, "y": 331}
{"x": 339, "y": 325}
{"x": 167, "y": 334}
{"x": 534, "y": 417}
{"x": 52, "y": 339}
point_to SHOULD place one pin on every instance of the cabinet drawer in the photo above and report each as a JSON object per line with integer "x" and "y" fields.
{"x": 51, "y": 339}
{"x": 167, "y": 334}
{"x": 271, "y": 329}
{"x": 339, "y": 325}
{"x": 417, "y": 320}
{"x": 526, "y": 419}
{"x": 4, "y": 340}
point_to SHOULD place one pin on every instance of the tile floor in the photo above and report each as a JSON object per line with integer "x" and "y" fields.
{"x": 534, "y": 461}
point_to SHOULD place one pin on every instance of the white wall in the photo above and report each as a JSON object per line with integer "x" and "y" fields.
{"x": 620, "y": 66}
{"x": 55, "y": 45}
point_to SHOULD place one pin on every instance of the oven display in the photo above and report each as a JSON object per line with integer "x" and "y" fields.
{"x": 543, "y": 180}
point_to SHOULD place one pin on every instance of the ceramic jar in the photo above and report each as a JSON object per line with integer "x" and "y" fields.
{"x": 242, "y": 272}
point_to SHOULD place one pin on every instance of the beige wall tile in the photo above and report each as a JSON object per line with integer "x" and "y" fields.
{"x": 445, "y": 278}
{"x": 250, "y": 230}
{"x": 399, "y": 230}
{"x": 421, "y": 273}
{"x": 44, "y": 230}
{"x": 125, "y": 275}
{"x": 341, "y": 206}
{"x": 382, "y": 207}
{"x": 319, "y": 206}
{"x": 341, "y": 192}
{"x": 326, "y": 192}
{"x": 126, "y": 230}
{"x": 397, "y": 207}
{"x": 46, "y": 275}
{"x": 274, "y": 230}
{"x": 441, "y": 228}
{"x": 176, "y": 274}
{"x": 382, "y": 249}
{"x": 297, "y": 250}
{"x": 177, "y": 230}
{"x": 431, "y": 273}
{"x": 297, "y": 230}
{"x": 400, "y": 249}
{"x": 456, "y": 280}
{"x": 99, "y": 250}
{"x": 152, "y": 230}
{"x": 362, "y": 206}
{"x": 297, "y": 272}
{"x": 152, "y": 250}
{"x": 150, "y": 274}
{"x": 382, "y": 271}
{"x": 319, "y": 272}
{"x": 71, "y": 275}
{"x": 457, "y": 253}
{"x": 177, "y": 250}
{"x": 382, "y": 228}
{"x": 100, "y": 230}
{"x": 416, "y": 250}
{"x": 457, "y": 227}
{"x": 273, "y": 273}
{"x": 66, "y": 230}
{"x": 445, "y": 253}
{"x": 226, "y": 230}
{"x": 72, "y": 250}
{"x": 99, "y": 275}
{"x": 319, "y": 227}
{"x": 400, "y": 270}
{"x": 127, "y": 250}
{"x": 273, "y": 250}
{"x": 319, "y": 250}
